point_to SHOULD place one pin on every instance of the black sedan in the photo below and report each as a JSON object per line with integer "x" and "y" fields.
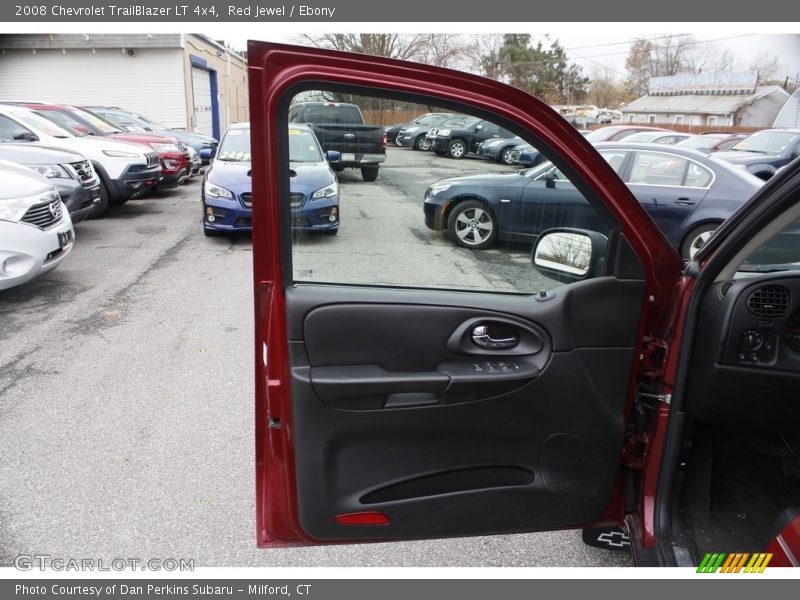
{"x": 687, "y": 193}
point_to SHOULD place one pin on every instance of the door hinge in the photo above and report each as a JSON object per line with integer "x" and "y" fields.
{"x": 665, "y": 398}
{"x": 653, "y": 357}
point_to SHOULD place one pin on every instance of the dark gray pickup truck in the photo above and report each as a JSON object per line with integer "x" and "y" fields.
{"x": 340, "y": 127}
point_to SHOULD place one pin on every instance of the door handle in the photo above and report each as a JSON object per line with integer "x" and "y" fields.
{"x": 349, "y": 136}
{"x": 481, "y": 337}
{"x": 684, "y": 202}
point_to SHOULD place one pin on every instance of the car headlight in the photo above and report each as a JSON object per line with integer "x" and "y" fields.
{"x": 443, "y": 132}
{"x": 165, "y": 147}
{"x": 120, "y": 154}
{"x": 13, "y": 209}
{"x": 214, "y": 191}
{"x": 51, "y": 171}
{"x": 438, "y": 188}
{"x": 327, "y": 192}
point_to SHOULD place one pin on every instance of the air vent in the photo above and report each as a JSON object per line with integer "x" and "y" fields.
{"x": 769, "y": 301}
{"x": 725, "y": 288}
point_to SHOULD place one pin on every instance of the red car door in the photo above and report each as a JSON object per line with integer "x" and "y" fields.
{"x": 389, "y": 409}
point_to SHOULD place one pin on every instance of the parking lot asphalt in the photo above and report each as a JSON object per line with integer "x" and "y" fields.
{"x": 126, "y": 385}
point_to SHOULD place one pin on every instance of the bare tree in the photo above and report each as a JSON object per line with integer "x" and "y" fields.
{"x": 767, "y": 67}
{"x": 604, "y": 90}
{"x": 482, "y": 53}
{"x": 443, "y": 50}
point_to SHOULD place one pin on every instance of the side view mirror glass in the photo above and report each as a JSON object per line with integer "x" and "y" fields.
{"x": 569, "y": 254}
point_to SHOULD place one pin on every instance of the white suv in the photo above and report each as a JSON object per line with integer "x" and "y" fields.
{"x": 35, "y": 229}
{"x": 126, "y": 170}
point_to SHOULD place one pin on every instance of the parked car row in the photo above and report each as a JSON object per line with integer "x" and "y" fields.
{"x": 62, "y": 163}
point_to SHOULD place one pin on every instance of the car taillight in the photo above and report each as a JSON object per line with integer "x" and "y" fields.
{"x": 384, "y": 140}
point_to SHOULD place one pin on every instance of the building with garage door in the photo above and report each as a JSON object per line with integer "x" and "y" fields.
{"x": 707, "y": 101}
{"x": 184, "y": 81}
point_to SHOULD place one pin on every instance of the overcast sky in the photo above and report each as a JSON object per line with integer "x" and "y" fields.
{"x": 588, "y": 44}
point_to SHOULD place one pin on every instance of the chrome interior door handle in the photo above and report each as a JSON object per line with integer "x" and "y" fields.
{"x": 481, "y": 337}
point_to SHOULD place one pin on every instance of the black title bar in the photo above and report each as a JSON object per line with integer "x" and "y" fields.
{"x": 415, "y": 11}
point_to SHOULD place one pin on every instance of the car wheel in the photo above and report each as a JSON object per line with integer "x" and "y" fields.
{"x": 422, "y": 143}
{"x": 507, "y": 156}
{"x": 696, "y": 238}
{"x": 472, "y": 225}
{"x": 99, "y": 209}
{"x": 369, "y": 173}
{"x": 337, "y": 168}
{"x": 456, "y": 149}
{"x": 397, "y": 140}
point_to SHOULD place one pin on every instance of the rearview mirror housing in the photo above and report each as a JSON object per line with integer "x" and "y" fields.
{"x": 333, "y": 156}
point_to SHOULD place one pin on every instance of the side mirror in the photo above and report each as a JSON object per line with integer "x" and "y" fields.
{"x": 569, "y": 255}
{"x": 26, "y": 136}
{"x": 333, "y": 156}
{"x": 206, "y": 154}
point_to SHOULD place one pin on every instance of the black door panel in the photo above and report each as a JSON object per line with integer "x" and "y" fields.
{"x": 384, "y": 424}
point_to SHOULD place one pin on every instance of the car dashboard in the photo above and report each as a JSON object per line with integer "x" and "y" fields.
{"x": 745, "y": 366}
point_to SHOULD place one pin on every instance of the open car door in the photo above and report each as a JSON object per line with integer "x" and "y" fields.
{"x": 397, "y": 402}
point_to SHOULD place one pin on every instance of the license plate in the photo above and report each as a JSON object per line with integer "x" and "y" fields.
{"x": 348, "y": 157}
{"x": 64, "y": 238}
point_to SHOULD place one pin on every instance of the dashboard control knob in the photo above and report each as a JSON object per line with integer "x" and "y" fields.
{"x": 751, "y": 340}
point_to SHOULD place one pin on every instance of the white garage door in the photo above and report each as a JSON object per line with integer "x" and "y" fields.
{"x": 201, "y": 96}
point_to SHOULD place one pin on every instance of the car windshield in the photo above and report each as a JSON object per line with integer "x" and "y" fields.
{"x": 42, "y": 124}
{"x": 428, "y": 120}
{"x": 767, "y": 142}
{"x": 97, "y": 122}
{"x": 64, "y": 120}
{"x": 303, "y": 146}
{"x": 642, "y": 136}
{"x": 545, "y": 170}
{"x": 459, "y": 121}
{"x": 780, "y": 253}
{"x": 700, "y": 141}
{"x": 599, "y": 135}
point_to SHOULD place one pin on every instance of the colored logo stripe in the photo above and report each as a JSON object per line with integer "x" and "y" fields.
{"x": 734, "y": 563}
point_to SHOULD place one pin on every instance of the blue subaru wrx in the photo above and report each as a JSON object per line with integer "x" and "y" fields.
{"x": 227, "y": 188}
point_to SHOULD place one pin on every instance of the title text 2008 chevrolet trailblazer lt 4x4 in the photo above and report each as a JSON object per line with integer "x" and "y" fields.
{"x": 635, "y": 392}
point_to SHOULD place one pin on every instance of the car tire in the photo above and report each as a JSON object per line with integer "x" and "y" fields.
{"x": 456, "y": 149}
{"x": 369, "y": 173}
{"x": 472, "y": 225}
{"x": 99, "y": 209}
{"x": 397, "y": 141}
{"x": 422, "y": 143}
{"x": 695, "y": 239}
{"x": 506, "y": 156}
{"x": 337, "y": 168}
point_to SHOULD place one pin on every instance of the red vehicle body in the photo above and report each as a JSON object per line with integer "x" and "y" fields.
{"x": 176, "y": 165}
{"x": 328, "y": 472}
